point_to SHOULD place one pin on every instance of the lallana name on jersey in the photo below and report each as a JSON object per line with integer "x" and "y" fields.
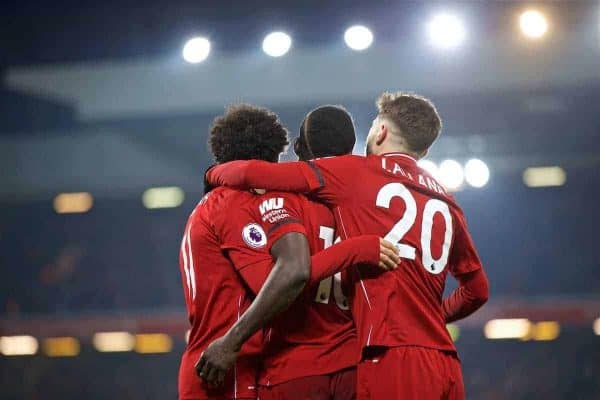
{"x": 424, "y": 181}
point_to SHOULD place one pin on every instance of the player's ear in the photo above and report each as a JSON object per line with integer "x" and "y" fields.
{"x": 381, "y": 135}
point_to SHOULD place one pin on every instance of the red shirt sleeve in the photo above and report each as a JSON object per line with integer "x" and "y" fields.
{"x": 357, "y": 250}
{"x": 279, "y": 213}
{"x": 472, "y": 293}
{"x": 338, "y": 178}
{"x": 249, "y": 229}
{"x": 291, "y": 176}
{"x": 463, "y": 256}
{"x": 327, "y": 179}
{"x": 466, "y": 267}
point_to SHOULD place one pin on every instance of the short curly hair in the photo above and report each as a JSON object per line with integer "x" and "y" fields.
{"x": 247, "y": 132}
{"x": 326, "y": 131}
{"x": 415, "y": 116}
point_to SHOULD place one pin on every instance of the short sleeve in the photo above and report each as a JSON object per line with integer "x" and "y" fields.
{"x": 249, "y": 226}
{"x": 279, "y": 213}
{"x": 241, "y": 238}
{"x": 463, "y": 256}
{"x": 334, "y": 178}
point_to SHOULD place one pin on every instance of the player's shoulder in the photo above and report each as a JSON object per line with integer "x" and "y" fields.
{"x": 222, "y": 195}
{"x": 349, "y": 159}
{"x": 274, "y": 200}
{"x": 224, "y": 202}
{"x": 317, "y": 211}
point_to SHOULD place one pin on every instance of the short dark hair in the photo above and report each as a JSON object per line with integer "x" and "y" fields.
{"x": 415, "y": 116}
{"x": 247, "y": 132}
{"x": 325, "y": 131}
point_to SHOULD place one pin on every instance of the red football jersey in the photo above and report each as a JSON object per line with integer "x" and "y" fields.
{"x": 316, "y": 335}
{"x": 387, "y": 195}
{"x": 215, "y": 297}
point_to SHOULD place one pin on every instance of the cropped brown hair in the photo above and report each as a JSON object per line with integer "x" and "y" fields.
{"x": 247, "y": 132}
{"x": 415, "y": 116}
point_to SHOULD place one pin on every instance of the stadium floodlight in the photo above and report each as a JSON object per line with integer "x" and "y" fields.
{"x": 511, "y": 328}
{"x": 597, "y": 326}
{"x": 163, "y": 197}
{"x": 477, "y": 173}
{"x": 430, "y": 167}
{"x": 546, "y": 330}
{"x": 277, "y": 44}
{"x": 446, "y": 31}
{"x": 544, "y": 176}
{"x": 72, "y": 203}
{"x": 22, "y": 345}
{"x": 358, "y": 37}
{"x": 153, "y": 343}
{"x": 533, "y": 24}
{"x": 61, "y": 347}
{"x": 451, "y": 174}
{"x": 113, "y": 341}
{"x": 196, "y": 50}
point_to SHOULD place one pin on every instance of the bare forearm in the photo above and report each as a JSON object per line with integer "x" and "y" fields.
{"x": 277, "y": 294}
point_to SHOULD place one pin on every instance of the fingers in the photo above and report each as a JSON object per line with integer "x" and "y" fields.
{"x": 220, "y": 378}
{"x": 389, "y": 257}
{"x": 385, "y": 262}
{"x": 200, "y": 365}
{"x": 212, "y": 376}
{"x": 389, "y": 246}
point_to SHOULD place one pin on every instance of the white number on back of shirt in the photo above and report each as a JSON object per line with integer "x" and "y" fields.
{"x": 401, "y": 228}
{"x": 324, "y": 291}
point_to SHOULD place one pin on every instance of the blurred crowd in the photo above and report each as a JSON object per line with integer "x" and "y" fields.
{"x": 566, "y": 368}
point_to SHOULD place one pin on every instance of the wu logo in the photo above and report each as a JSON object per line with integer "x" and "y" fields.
{"x": 271, "y": 204}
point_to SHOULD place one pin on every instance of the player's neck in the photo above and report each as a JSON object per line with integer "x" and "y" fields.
{"x": 396, "y": 148}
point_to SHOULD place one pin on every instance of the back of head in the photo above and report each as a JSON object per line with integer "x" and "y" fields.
{"x": 414, "y": 118}
{"x": 325, "y": 131}
{"x": 247, "y": 132}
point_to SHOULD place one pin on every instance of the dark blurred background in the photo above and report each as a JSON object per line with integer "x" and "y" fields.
{"x": 103, "y": 129}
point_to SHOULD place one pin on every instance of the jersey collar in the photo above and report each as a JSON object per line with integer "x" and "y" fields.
{"x": 404, "y": 155}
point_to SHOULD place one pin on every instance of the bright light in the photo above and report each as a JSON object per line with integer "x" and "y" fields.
{"x": 23, "y": 345}
{"x": 196, "y": 50}
{"x": 429, "y": 166}
{"x": 113, "y": 341}
{"x": 597, "y": 326}
{"x": 276, "y": 44}
{"x": 546, "y": 330}
{"x": 517, "y": 328}
{"x": 451, "y": 174}
{"x": 454, "y": 331}
{"x": 358, "y": 37}
{"x": 544, "y": 176}
{"x": 533, "y": 24}
{"x": 151, "y": 343}
{"x": 163, "y": 197}
{"x": 61, "y": 347}
{"x": 69, "y": 203}
{"x": 477, "y": 173}
{"x": 446, "y": 31}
